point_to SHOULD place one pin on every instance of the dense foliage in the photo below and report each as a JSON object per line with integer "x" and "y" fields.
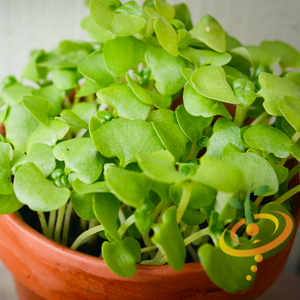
{"x": 122, "y": 134}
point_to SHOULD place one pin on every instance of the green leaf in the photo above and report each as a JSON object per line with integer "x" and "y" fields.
{"x": 162, "y": 115}
{"x": 119, "y": 258}
{"x": 255, "y": 169}
{"x": 210, "y": 32}
{"x": 54, "y": 96}
{"x": 93, "y": 67}
{"x": 166, "y": 70}
{"x": 124, "y": 53}
{"x": 289, "y": 56}
{"x": 9, "y": 204}
{"x": 81, "y": 157}
{"x": 128, "y": 186}
{"x": 205, "y": 57}
{"x": 201, "y": 195}
{"x": 83, "y": 188}
{"x": 166, "y": 35}
{"x": 42, "y": 156}
{"x": 38, "y": 107}
{"x": 117, "y": 24}
{"x": 210, "y": 81}
{"x": 266, "y": 232}
{"x": 290, "y": 109}
{"x": 95, "y": 123}
{"x": 165, "y": 9}
{"x": 198, "y": 105}
{"x": 224, "y": 132}
{"x": 295, "y": 151}
{"x": 125, "y": 102}
{"x": 159, "y": 166}
{"x": 67, "y": 46}
{"x": 83, "y": 205}
{"x": 94, "y": 31}
{"x": 85, "y": 110}
{"x": 6, "y": 155}
{"x": 125, "y": 138}
{"x": 48, "y": 135}
{"x": 220, "y": 266}
{"x": 72, "y": 119}
{"x": 191, "y": 126}
{"x": 19, "y": 158}
{"x": 19, "y": 125}
{"x": 32, "y": 71}
{"x": 88, "y": 88}
{"x": 182, "y": 13}
{"x": 168, "y": 237}
{"x": 13, "y": 94}
{"x": 261, "y": 56}
{"x": 33, "y": 189}
{"x": 293, "y": 76}
{"x": 275, "y": 88}
{"x": 219, "y": 175}
{"x": 3, "y": 112}
{"x": 172, "y": 138}
{"x": 261, "y": 190}
{"x": 106, "y": 208}
{"x": 64, "y": 79}
{"x": 235, "y": 203}
{"x": 130, "y": 8}
{"x": 281, "y": 172}
{"x": 143, "y": 222}
{"x": 268, "y": 139}
{"x": 147, "y": 97}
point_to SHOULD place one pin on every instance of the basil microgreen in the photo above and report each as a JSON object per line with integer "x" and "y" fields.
{"x": 157, "y": 135}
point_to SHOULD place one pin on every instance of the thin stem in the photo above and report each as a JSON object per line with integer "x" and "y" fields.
{"x": 258, "y": 200}
{"x": 295, "y": 137}
{"x": 85, "y": 235}
{"x": 148, "y": 244}
{"x": 197, "y": 235}
{"x": 67, "y": 224}
{"x": 155, "y": 261}
{"x": 194, "y": 152}
{"x": 293, "y": 172}
{"x": 239, "y": 116}
{"x": 148, "y": 249}
{"x": 43, "y": 223}
{"x": 193, "y": 253}
{"x": 288, "y": 194}
{"x": 92, "y": 239}
{"x": 122, "y": 216}
{"x": 59, "y": 223}
{"x": 158, "y": 209}
{"x": 126, "y": 225}
{"x": 184, "y": 201}
{"x": 51, "y": 223}
{"x": 260, "y": 118}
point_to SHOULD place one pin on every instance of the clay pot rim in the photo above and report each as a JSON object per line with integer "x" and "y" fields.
{"x": 164, "y": 270}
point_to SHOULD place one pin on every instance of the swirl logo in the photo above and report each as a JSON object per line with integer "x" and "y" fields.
{"x": 252, "y": 230}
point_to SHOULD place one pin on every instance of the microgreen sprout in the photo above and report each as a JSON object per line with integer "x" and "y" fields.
{"x": 148, "y": 142}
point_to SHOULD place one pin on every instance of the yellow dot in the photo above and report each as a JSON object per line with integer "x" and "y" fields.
{"x": 258, "y": 258}
{"x": 252, "y": 229}
{"x": 249, "y": 277}
{"x": 254, "y": 269}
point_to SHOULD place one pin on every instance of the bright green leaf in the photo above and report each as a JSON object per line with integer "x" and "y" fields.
{"x": 33, "y": 189}
{"x": 81, "y": 157}
{"x": 83, "y": 205}
{"x": 125, "y": 138}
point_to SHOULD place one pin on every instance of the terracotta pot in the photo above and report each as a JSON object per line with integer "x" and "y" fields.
{"x": 43, "y": 269}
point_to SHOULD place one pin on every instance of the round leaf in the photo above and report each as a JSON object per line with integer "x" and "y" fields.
{"x": 81, "y": 157}
{"x": 34, "y": 190}
{"x": 125, "y": 138}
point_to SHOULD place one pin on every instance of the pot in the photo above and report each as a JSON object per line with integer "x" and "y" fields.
{"x": 43, "y": 269}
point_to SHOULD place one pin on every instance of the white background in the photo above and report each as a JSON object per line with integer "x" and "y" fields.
{"x": 41, "y": 24}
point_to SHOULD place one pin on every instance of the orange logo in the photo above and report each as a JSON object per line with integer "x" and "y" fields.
{"x": 252, "y": 229}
